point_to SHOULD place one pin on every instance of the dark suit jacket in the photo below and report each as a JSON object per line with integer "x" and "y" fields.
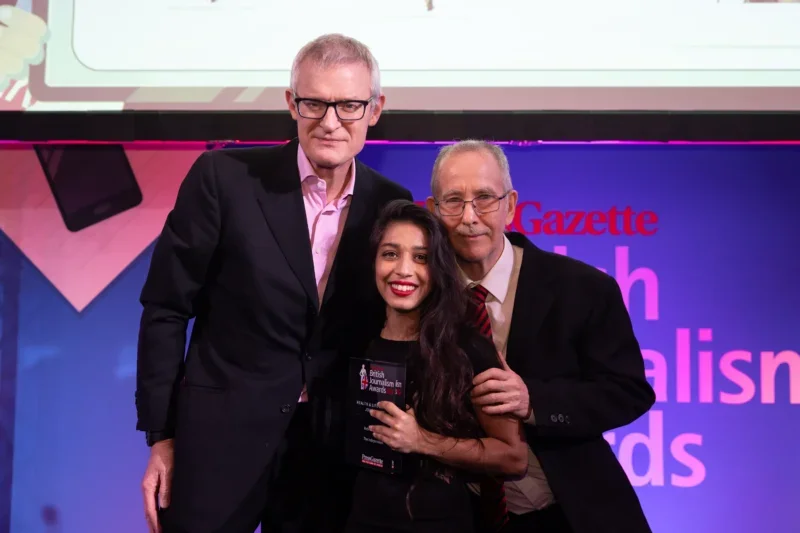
{"x": 235, "y": 255}
{"x": 572, "y": 342}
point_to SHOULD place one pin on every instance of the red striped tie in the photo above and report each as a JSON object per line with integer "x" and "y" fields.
{"x": 493, "y": 493}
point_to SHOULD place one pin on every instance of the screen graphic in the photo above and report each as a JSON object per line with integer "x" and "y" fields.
{"x": 434, "y": 54}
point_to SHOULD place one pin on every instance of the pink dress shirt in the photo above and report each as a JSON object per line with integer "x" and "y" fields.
{"x": 325, "y": 219}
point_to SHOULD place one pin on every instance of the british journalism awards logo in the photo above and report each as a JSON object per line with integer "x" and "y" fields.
{"x": 364, "y": 380}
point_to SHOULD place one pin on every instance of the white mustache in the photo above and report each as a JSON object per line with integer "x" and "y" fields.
{"x": 468, "y": 234}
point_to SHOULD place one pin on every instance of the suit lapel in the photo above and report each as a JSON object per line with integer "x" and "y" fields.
{"x": 533, "y": 300}
{"x": 280, "y": 197}
{"x": 354, "y": 231}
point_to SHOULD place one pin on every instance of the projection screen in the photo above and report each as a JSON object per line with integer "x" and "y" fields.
{"x": 434, "y": 54}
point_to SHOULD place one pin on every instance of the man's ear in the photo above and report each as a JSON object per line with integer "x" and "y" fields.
{"x": 377, "y": 109}
{"x": 289, "y": 95}
{"x": 430, "y": 203}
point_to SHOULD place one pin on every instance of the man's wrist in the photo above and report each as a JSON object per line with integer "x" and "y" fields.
{"x": 157, "y": 436}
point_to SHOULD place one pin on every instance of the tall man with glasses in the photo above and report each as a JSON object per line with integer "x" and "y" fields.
{"x": 266, "y": 249}
{"x": 572, "y": 365}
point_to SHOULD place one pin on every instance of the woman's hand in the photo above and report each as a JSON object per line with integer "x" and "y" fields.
{"x": 400, "y": 430}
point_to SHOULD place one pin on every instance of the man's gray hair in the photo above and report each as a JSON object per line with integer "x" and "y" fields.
{"x": 472, "y": 145}
{"x": 334, "y": 49}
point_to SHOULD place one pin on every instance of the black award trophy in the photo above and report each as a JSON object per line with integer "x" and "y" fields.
{"x": 369, "y": 382}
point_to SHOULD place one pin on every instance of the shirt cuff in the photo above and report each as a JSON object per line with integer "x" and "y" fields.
{"x": 531, "y": 418}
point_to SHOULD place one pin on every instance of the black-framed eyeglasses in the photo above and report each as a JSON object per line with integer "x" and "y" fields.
{"x": 346, "y": 110}
{"x": 482, "y": 204}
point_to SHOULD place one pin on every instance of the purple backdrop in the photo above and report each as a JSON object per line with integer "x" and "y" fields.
{"x": 702, "y": 239}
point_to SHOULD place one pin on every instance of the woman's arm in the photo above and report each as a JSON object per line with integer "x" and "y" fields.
{"x": 504, "y": 450}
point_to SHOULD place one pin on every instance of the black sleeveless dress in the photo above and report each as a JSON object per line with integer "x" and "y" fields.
{"x": 427, "y": 497}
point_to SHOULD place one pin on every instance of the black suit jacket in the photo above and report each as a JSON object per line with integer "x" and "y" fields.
{"x": 572, "y": 342}
{"x": 235, "y": 255}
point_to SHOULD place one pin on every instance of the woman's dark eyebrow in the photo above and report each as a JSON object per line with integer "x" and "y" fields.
{"x": 395, "y": 245}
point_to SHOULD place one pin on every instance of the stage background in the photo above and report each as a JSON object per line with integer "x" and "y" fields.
{"x": 713, "y": 294}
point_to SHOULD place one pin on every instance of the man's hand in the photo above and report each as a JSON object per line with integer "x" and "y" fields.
{"x": 501, "y": 391}
{"x": 157, "y": 481}
{"x": 401, "y": 432}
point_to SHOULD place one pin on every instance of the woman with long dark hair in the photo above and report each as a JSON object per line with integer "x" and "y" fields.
{"x": 445, "y": 438}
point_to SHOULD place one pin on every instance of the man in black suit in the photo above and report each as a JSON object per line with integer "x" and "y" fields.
{"x": 266, "y": 249}
{"x": 573, "y": 367}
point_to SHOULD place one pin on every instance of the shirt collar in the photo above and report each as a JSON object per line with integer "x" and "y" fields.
{"x": 496, "y": 281}
{"x": 307, "y": 171}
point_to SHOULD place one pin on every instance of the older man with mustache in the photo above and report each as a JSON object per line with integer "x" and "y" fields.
{"x": 573, "y": 367}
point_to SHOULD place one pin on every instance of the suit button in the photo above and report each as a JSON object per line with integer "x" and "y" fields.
{"x": 286, "y": 408}
{"x": 553, "y": 418}
{"x": 560, "y": 418}
{"x": 308, "y": 357}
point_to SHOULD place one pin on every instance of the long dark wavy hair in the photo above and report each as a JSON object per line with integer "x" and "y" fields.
{"x": 440, "y": 369}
